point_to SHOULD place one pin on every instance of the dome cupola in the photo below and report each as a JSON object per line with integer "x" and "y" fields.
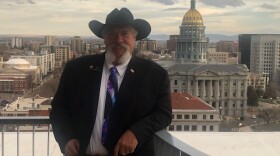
{"x": 192, "y": 17}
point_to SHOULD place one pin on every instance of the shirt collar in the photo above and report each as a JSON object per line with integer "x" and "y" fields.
{"x": 121, "y": 68}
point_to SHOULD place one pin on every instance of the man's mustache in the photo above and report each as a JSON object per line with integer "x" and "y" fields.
{"x": 119, "y": 46}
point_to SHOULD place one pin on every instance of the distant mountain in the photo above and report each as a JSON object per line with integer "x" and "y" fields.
{"x": 212, "y": 37}
{"x": 219, "y": 37}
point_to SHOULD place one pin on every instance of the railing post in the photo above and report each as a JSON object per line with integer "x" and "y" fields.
{"x": 17, "y": 140}
{"x": 33, "y": 140}
{"x": 3, "y": 127}
{"x": 48, "y": 148}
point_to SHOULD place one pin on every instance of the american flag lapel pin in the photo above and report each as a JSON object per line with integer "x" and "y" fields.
{"x": 90, "y": 67}
{"x": 131, "y": 70}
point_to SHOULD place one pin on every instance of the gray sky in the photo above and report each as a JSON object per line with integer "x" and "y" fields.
{"x": 71, "y": 17}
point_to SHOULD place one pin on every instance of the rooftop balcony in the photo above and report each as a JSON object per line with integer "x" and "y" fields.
{"x": 32, "y": 136}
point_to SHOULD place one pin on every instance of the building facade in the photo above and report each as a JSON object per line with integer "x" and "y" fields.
{"x": 265, "y": 54}
{"x": 49, "y": 40}
{"x": 220, "y": 85}
{"x": 191, "y": 45}
{"x": 258, "y": 81}
{"x": 146, "y": 45}
{"x": 190, "y": 113}
{"x": 16, "y": 42}
{"x": 62, "y": 53}
{"x": 227, "y": 46}
{"x": 45, "y": 61}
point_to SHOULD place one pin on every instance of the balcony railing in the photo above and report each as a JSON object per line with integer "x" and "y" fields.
{"x": 165, "y": 143}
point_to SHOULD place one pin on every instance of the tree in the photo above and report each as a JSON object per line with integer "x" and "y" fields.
{"x": 270, "y": 91}
{"x": 252, "y": 97}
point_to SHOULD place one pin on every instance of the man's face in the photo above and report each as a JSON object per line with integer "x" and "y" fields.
{"x": 120, "y": 39}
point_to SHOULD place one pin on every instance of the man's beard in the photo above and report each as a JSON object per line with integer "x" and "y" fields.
{"x": 111, "y": 58}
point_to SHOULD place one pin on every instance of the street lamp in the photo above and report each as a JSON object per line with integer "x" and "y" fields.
{"x": 239, "y": 126}
{"x": 220, "y": 109}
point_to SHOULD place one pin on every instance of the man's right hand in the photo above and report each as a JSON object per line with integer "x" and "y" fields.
{"x": 72, "y": 148}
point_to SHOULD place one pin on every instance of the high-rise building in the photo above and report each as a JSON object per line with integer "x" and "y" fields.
{"x": 244, "y": 41}
{"x": 146, "y": 45}
{"x": 62, "y": 53}
{"x": 16, "y": 42}
{"x": 77, "y": 45}
{"x": 191, "y": 45}
{"x": 227, "y": 46}
{"x": 171, "y": 43}
{"x": 265, "y": 54}
{"x": 49, "y": 40}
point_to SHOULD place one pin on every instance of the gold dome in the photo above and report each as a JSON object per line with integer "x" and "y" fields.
{"x": 192, "y": 17}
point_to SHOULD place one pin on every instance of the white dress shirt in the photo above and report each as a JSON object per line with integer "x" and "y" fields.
{"x": 95, "y": 146}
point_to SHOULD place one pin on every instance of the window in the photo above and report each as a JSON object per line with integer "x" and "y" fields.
{"x": 194, "y": 128}
{"x": 187, "y": 116}
{"x": 186, "y": 128}
{"x": 194, "y": 116}
{"x": 211, "y": 117}
{"x": 172, "y": 116}
{"x": 204, "y": 128}
{"x": 179, "y": 128}
{"x": 211, "y": 128}
{"x": 175, "y": 82}
{"x": 171, "y": 127}
{"x": 179, "y": 116}
{"x": 204, "y": 117}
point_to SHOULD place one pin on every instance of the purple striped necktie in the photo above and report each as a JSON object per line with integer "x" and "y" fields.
{"x": 112, "y": 89}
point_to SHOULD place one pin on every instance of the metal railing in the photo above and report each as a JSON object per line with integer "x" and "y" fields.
{"x": 165, "y": 143}
{"x": 12, "y": 124}
{"x": 168, "y": 145}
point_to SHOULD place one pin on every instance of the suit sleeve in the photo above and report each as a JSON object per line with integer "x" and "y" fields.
{"x": 60, "y": 114}
{"x": 161, "y": 116}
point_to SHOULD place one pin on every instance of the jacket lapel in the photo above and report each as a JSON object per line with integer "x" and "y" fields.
{"x": 95, "y": 75}
{"x": 128, "y": 79}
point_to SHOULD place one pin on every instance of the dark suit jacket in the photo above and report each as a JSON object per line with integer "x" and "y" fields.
{"x": 143, "y": 103}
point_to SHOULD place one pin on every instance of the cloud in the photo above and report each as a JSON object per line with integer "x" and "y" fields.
{"x": 268, "y": 6}
{"x": 165, "y": 2}
{"x": 174, "y": 9}
{"x": 223, "y": 3}
{"x": 25, "y": 2}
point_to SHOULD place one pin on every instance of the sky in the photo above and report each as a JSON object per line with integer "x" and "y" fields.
{"x": 71, "y": 17}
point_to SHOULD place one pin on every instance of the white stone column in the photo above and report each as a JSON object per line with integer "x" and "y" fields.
{"x": 188, "y": 88}
{"x": 202, "y": 89}
{"x": 216, "y": 90}
{"x": 196, "y": 88}
{"x": 209, "y": 86}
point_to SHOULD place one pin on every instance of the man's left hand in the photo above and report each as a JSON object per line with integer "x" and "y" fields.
{"x": 126, "y": 144}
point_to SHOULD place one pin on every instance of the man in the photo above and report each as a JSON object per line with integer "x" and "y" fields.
{"x": 112, "y": 103}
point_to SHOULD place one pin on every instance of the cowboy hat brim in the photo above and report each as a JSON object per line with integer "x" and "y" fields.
{"x": 118, "y": 18}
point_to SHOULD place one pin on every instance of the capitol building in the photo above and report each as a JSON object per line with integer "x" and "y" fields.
{"x": 191, "y": 45}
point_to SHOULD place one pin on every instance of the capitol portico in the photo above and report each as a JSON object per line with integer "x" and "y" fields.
{"x": 220, "y": 85}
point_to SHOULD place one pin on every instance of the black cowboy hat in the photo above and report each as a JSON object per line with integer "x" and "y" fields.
{"x": 121, "y": 17}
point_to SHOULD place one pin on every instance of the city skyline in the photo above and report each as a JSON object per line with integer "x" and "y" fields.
{"x": 71, "y": 17}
